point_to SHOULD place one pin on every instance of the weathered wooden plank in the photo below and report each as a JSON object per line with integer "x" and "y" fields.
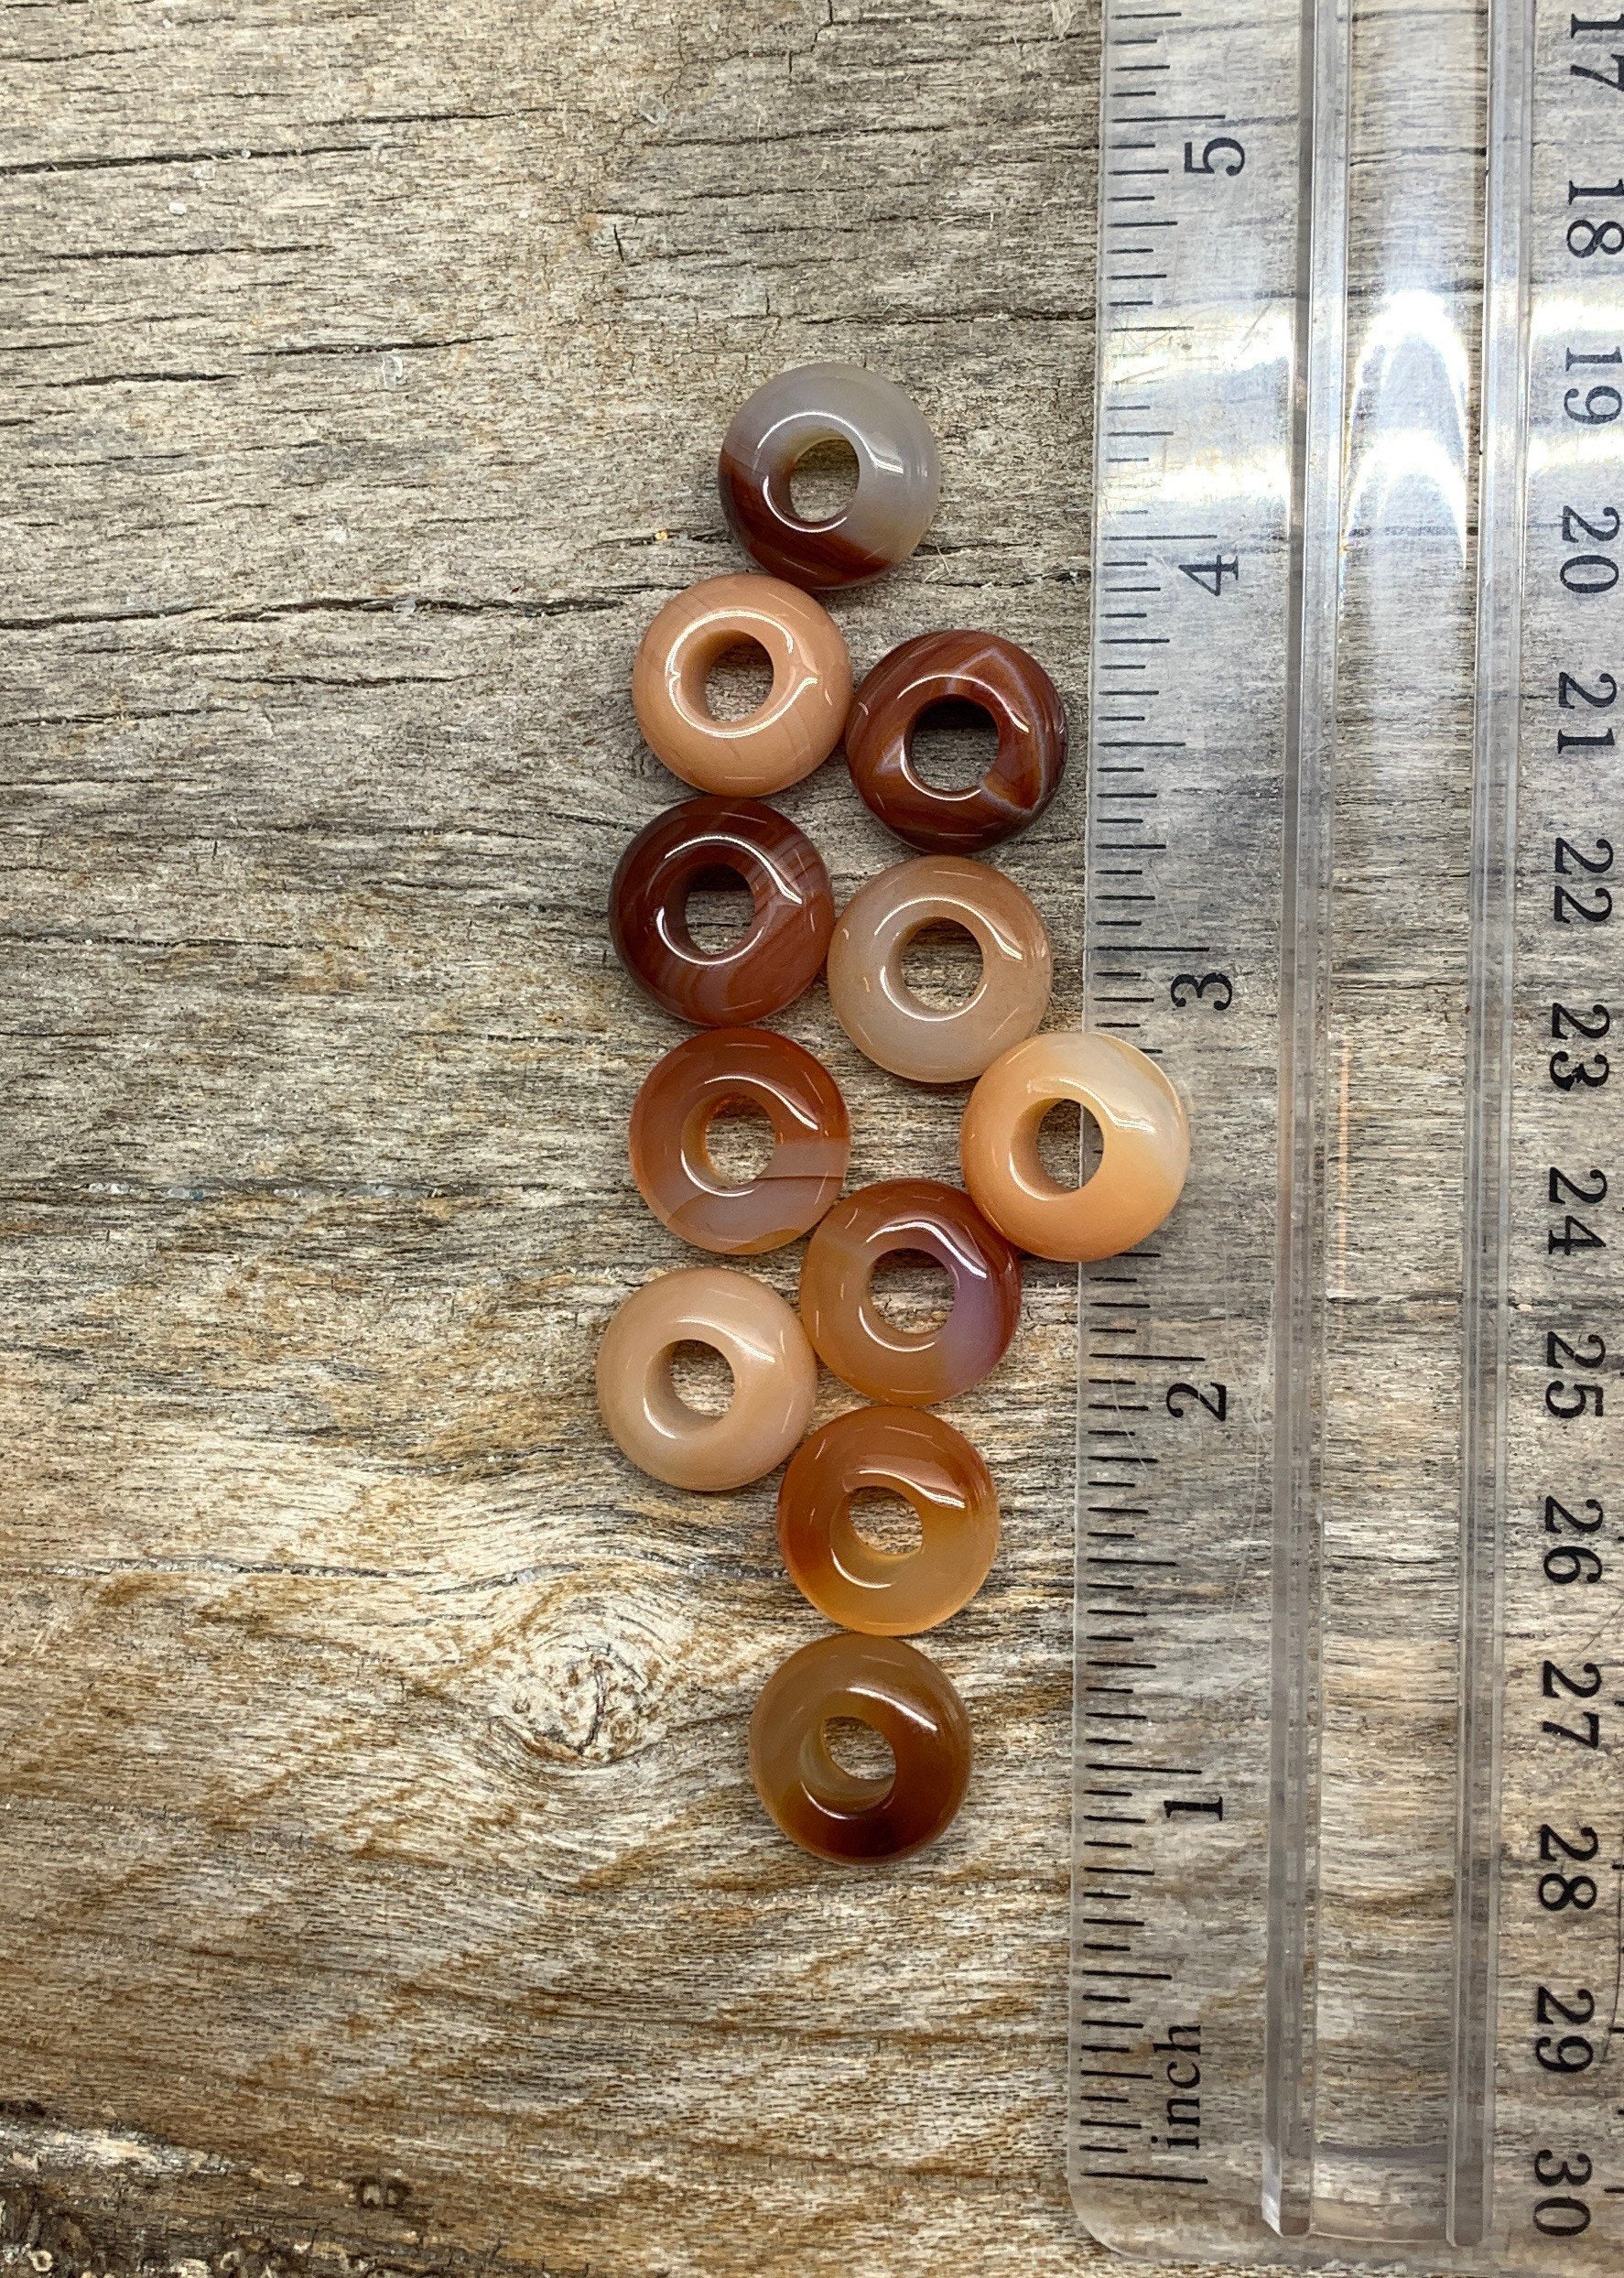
{"x": 383, "y": 1883}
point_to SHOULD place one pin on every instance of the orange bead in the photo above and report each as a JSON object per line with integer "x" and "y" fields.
{"x": 785, "y": 738}
{"x": 906, "y": 1452}
{"x": 681, "y": 1098}
{"x": 907, "y": 1700}
{"x": 1146, "y": 1145}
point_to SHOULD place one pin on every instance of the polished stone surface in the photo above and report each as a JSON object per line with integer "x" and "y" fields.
{"x": 927, "y": 1043}
{"x": 855, "y": 1337}
{"x": 775, "y": 1378}
{"x": 797, "y": 726}
{"x": 1141, "y": 1121}
{"x": 907, "y": 1700}
{"x": 898, "y": 474}
{"x": 906, "y": 1452}
{"x": 681, "y": 1096}
{"x": 999, "y": 679}
{"x": 702, "y": 843}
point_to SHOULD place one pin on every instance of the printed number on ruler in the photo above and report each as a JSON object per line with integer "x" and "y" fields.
{"x": 1574, "y": 1546}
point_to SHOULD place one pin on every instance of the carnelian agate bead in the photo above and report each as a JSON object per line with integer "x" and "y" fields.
{"x": 1145, "y": 1152}
{"x": 852, "y": 1334}
{"x": 933, "y": 1043}
{"x": 775, "y": 1378}
{"x": 905, "y": 1698}
{"x": 794, "y": 730}
{"x": 695, "y": 843}
{"x": 681, "y": 1098}
{"x": 999, "y": 679}
{"x": 898, "y": 474}
{"x": 906, "y": 1452}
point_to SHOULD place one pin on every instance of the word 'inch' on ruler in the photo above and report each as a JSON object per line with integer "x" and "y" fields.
{"x": 1349, "y": 1871}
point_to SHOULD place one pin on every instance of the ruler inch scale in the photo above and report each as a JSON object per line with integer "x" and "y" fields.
{"x": 1348, "y": 1858}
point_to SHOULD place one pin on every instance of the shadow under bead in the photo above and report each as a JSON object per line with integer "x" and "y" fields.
{"x": 851, "y": 1332}
{"x": 898, "y": 474}
{"x": 710, "y": 842}
{"x": 898, "y": 1692}
{"x": 681, "y": 1096}
{"x": 996, "y": 678}
{"x": 933, "y": 1470}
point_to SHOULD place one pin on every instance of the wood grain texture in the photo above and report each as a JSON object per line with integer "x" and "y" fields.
{"x": 383, "y": 1886}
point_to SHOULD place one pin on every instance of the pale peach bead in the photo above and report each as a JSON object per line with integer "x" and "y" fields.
{"x": 785, "y": 738}
{"x": 766, "y": 1347}
{"x": 927, "y": 1043}
{"x": 1145, "y": 1152}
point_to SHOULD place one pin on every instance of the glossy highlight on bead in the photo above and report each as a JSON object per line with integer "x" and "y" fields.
{"x": 1144, "y": 1157}
{"x": 898, "y": 474}
{"x": 902, "y": 1451}
{"x": 853, "y": 1335}
{"x": 998, "y": 679}
{"x": 789, "y": 734}
{"x": 775, "y": 1378}
{"x": 935, "y": 1044}
{"x": 901, "y": 1695}
{"x": 781, "y": 953}
{"x": 680, "y": 1100}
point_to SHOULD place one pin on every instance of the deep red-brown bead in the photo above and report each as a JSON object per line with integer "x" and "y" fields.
{"x": 899, "y": 1694}
{"x": 707, "y": 841}
{"x": 999, "y": 679}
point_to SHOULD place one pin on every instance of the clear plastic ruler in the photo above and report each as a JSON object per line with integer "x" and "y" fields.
{"x": 1349, "y": 1823}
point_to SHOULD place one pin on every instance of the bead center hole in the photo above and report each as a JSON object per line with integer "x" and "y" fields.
{"x": 739, "y": 682}
{"x": 719, "y": 911}
{"x": 913, "y": 1291}
{"x": 861, "y": 1751}
{"x": 942, "y": 966}
{"x": 953, "y": 746}
{"x": 886, "y": 1523}
{"x": 1069, "y": 1145}
{"x": 739, "y": 1140}
{"x": 701, "y": 1378}
{"x": 823, "y": 479}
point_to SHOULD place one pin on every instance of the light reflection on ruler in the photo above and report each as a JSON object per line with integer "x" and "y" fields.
{"x": 1201, "y": 261}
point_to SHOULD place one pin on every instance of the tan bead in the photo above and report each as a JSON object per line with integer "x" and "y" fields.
{"x": 902, "y": 1696}
{"x": 785, "y": 738}
{"x": 1144, "y": 1157}
{"x": 906, "y": 1452}
{"x": 775, "y": 1378}
{"x": 927, "y": 1043}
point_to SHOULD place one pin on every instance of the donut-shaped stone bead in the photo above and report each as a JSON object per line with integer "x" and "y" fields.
{"x": 892, "y": 1688}
{"x": 853, "y": 1335}
{"x": 775, "y": 1378}
{"x": 998, "y": 679}
{"x": 1145, "y": 1152}
{"x": 898, "y": 474}
{"x": 792, "y": 732}
{"x": 792, "y": 915}
{"x": 681, "y": 1096}
{"x": 900, "y": 1451}
{"x": 933, "y": 1043}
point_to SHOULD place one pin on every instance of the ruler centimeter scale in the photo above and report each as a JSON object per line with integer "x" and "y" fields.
{"x": 1349, "y": 1894}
